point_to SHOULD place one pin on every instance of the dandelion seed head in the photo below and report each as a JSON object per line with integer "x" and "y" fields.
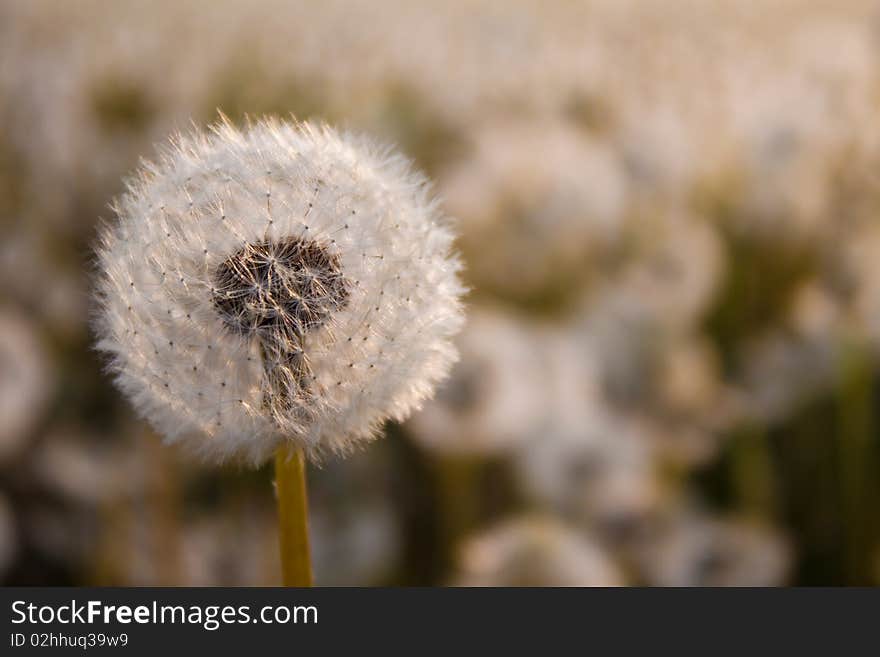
{"x": 281, "y": 282}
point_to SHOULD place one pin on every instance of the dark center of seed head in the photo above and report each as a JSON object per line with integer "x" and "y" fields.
{"x": 276, "y": 292}
{"x": 279, "y": 290}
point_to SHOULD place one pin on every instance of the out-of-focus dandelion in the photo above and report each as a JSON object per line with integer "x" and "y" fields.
{"x": 585, "y": 461}
{"x": 285, "y": 288}
{"x": 24, "y": 382}
{"x": 540, "y": 199}
{"x": 694, "y": 549}
{"x": 535, "y": 551}
{"x": 597, "y": 470}
{"x": 489, "y": 403}
{"x": 80, "y": 468}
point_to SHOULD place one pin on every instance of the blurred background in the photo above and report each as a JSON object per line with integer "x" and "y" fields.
{"x": 670, "y": 216}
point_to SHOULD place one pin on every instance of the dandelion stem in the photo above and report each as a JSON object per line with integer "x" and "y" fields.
{"x": 293, "y": 530}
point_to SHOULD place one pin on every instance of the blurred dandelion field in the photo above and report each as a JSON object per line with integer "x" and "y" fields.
{"x": 669, "y": 213}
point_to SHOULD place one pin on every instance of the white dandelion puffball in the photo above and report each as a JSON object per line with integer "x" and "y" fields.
{"x": 281, "y": 283}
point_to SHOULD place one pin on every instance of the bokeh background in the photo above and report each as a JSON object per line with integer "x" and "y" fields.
{"x": 670, "y": 215}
